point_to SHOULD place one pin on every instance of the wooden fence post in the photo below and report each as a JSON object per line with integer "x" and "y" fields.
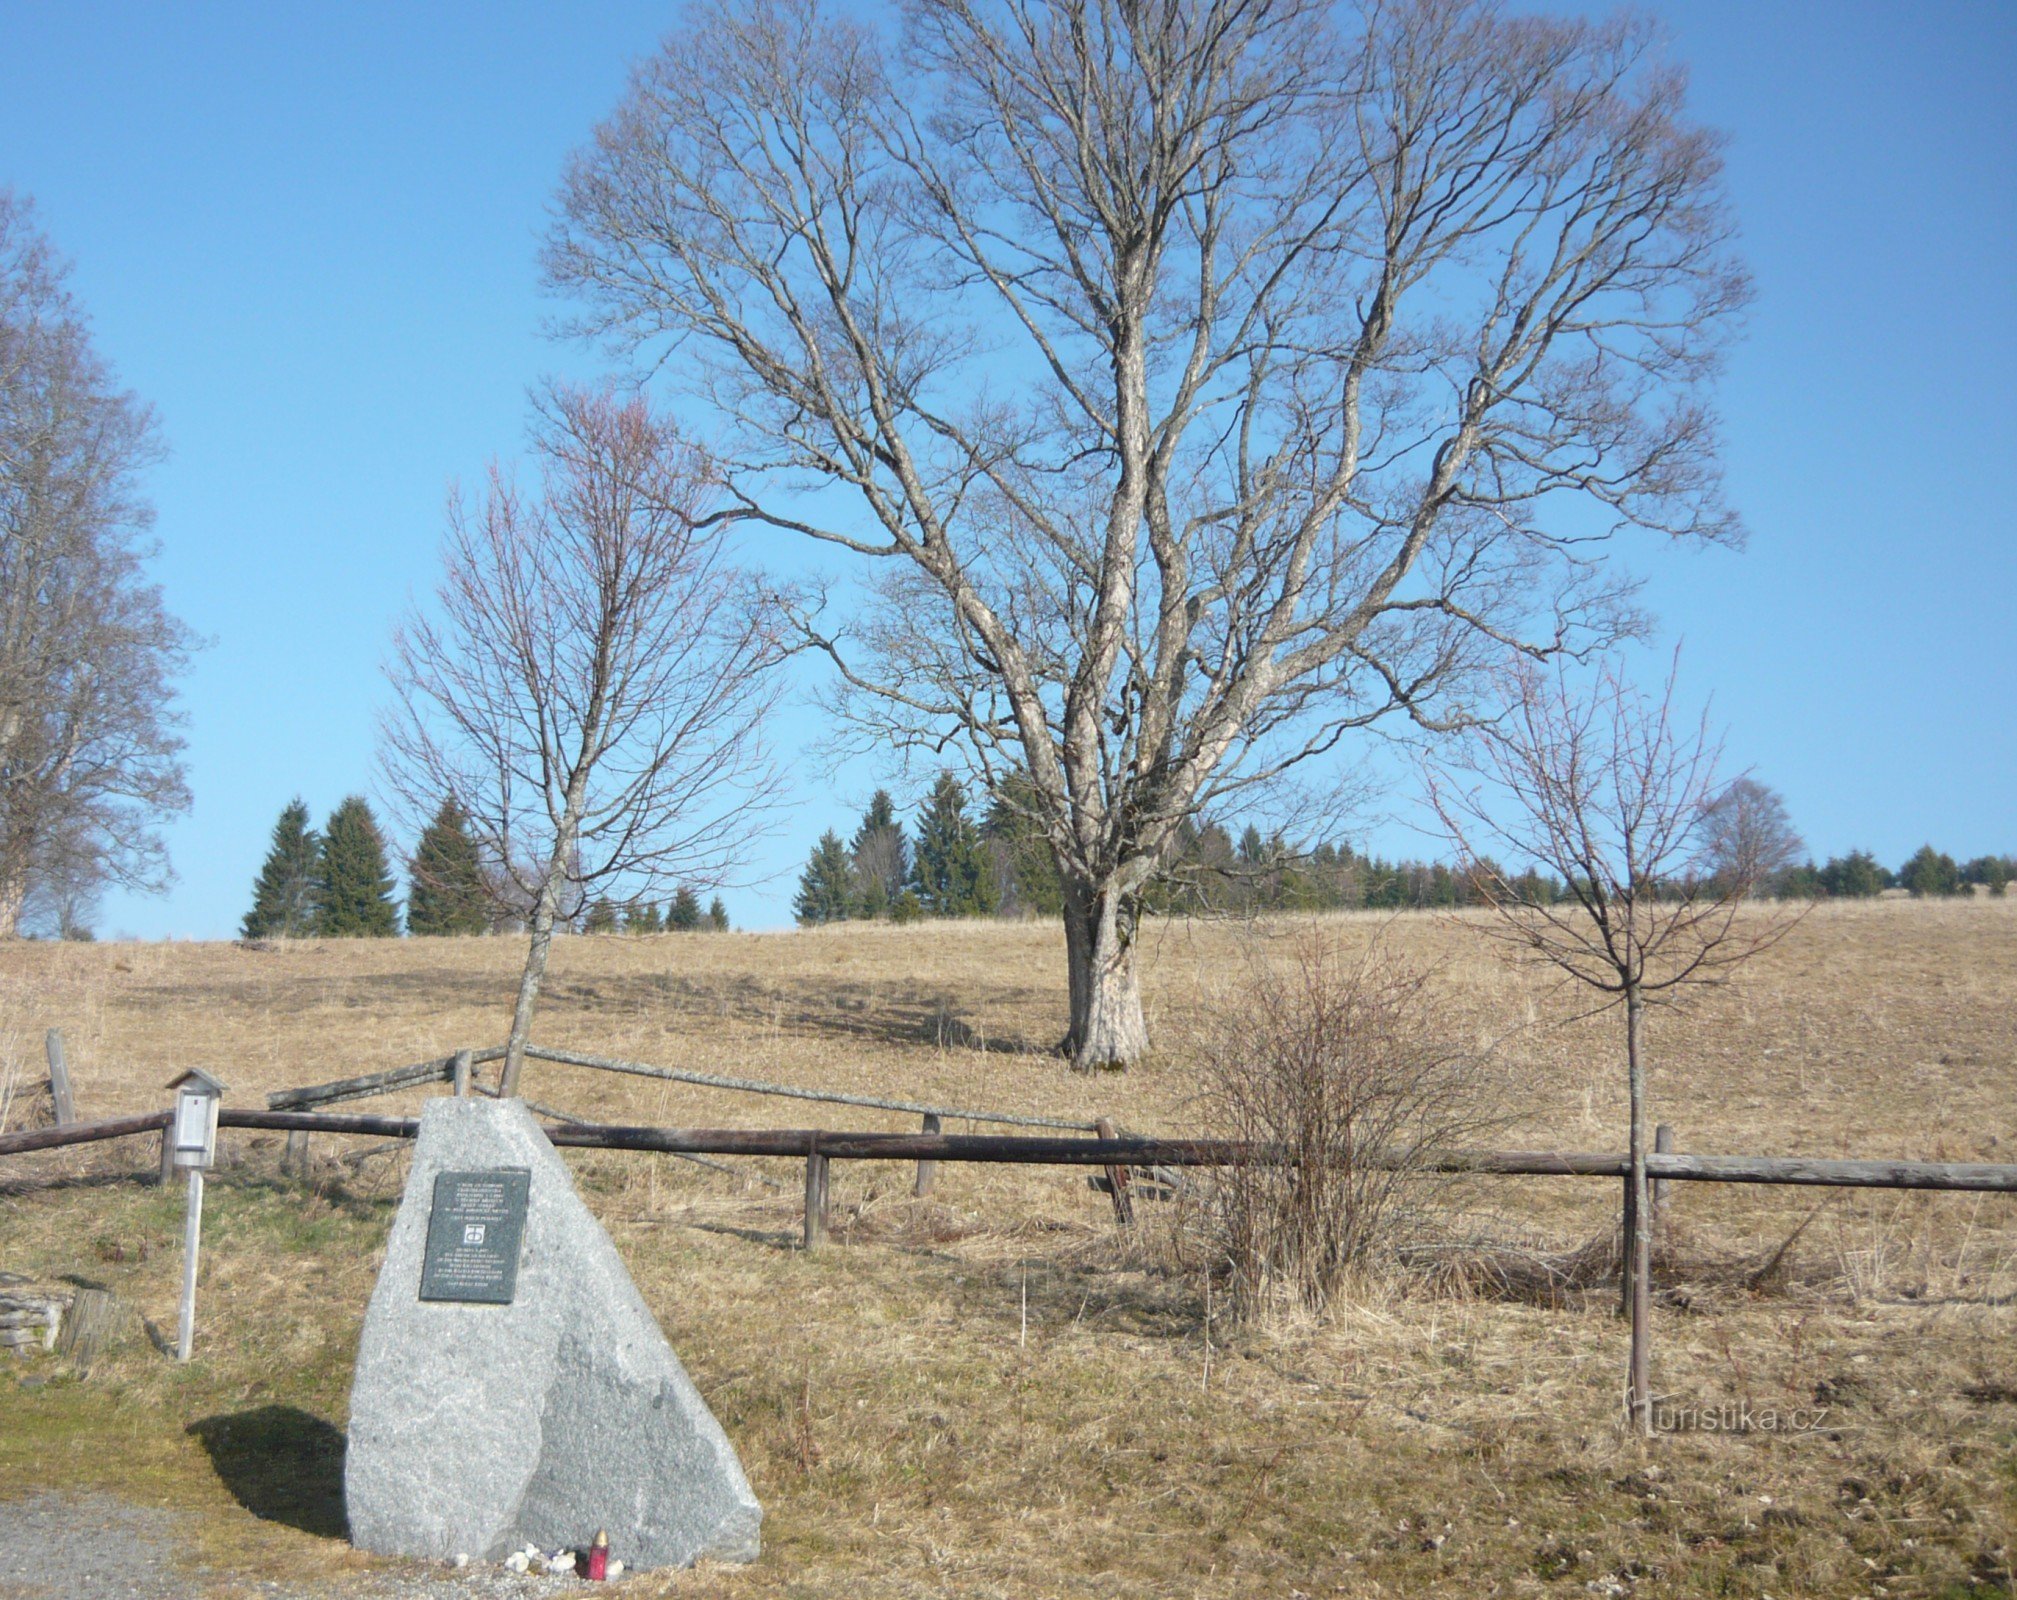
{"x": 1117, "y": 1179}
{"x": 927, "y": 1171}
{"x": 462, "y": 1071}
{"x": 294, "y": 1159}
{"x": 168, "y": 1150}
{"x": 815, "y": 1196}
{"x": 59, "y": 1079}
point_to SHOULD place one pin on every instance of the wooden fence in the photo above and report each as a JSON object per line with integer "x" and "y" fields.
{"x": 818, "y": 1147}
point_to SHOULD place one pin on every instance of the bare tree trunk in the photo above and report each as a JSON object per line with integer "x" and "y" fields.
{"x": 1638, "y": 1242}
{"x": 1107, "y": 1027}
{"x": 545, "y": 912}
{"x": 12, "y": 893}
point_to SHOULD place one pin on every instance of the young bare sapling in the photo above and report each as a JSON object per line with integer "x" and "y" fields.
{"x": 1599, "y": 804}
{"x": 590, "y": 685}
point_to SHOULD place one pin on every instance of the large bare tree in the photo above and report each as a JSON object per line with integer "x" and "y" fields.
{"x": 90, "y": 756}
{"x": 1203, "y": 380}
{"x": 1601, "y": 787}
{"x": 590, "y": 684}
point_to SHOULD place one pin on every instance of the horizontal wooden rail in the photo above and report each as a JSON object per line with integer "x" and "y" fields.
{"x": 82, "y": 1133}
{"x": 1128, "y": 1151}
{"x": 713, "y": 1080}
{"x": 439, "y": 1070}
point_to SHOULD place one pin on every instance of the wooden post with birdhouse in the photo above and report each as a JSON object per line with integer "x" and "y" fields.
{"x": 197, "y": 1099}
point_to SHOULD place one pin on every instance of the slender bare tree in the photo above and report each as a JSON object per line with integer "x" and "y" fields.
{"x": 590, "y": 685}
{"x": 1606, "y": 793}
{"x": 90, "y": 756}
{"x": 1205, "y": 380}
{"x": 1747, "y": 834}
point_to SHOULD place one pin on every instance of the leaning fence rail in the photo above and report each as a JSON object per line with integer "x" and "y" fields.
{"x": 440, "y": 1069}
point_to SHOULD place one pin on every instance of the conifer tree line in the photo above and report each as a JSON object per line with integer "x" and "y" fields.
{"x": 960, "y": 859}
{"x": 338, "y": 883}
{"x": 954, "y": 861}
{"x": 332, "y": 884}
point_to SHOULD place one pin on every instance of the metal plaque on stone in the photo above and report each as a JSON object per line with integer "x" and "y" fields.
{"x": 473, "y": 1235}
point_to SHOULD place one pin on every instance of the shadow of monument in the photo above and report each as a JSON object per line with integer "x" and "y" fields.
{"x": 281, "y": 1464}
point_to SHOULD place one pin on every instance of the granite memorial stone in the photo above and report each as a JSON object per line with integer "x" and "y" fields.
{"x": 512, "y": 1387}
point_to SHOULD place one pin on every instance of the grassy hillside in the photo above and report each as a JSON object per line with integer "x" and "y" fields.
{"x": 992, "y": 1393}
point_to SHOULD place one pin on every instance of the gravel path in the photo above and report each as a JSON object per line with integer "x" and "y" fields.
{"x": 94, "y": 1547}
{"x": 89, "y": 1546}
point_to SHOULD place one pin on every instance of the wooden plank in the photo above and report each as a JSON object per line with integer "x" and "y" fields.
{"x": 94, "y": 1319}
{"x": 1044, "y": 1150}
{"x": 1117, "y": 1180}
{"x": 815, "y": 1196}
{"x": 439, "y": 1070}
{"x": 1663, "y": 1145}
{"x": 12, "y": 1144}
{"x": 711, "y": 1080}
{"x": 59, "y": 1079}
{"x": 927, "y": 1171}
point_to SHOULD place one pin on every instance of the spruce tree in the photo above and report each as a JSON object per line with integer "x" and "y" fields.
{"x": 446, "y": 891}
{"x": 355, "y": 898}
{"x": 641, "y": 916}
{"x": 283, "y": 896}
{"x": 825, "y": 892}
{"x": 1025, "y": 869}
{"x": 951, "y": 868}
{"x": 880, "y": 856}
{"x": 601, "y": 916}
{"x": 683, "y": 915}
{"x": 1930, "y": 872}
{"x": 717, "y": 916}
{"x": 1855, "y": 876}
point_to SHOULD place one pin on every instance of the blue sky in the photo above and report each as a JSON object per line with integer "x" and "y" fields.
{"x": 308, "y": 237}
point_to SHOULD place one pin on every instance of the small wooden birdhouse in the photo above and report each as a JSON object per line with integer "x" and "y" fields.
{"x": 197, "y": 1098}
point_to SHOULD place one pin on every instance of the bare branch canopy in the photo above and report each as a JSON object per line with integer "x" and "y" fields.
{"x": 1201, "y": 382}
{"x": 590, "y": 686}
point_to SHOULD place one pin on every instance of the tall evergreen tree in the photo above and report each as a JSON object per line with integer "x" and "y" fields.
{"x": 1855, "y": 876}
{"x": 825, "y": 888}
{"x": 683, "y": 915}
{"x": 355, "y": 899}
{"x": 717, "y": 916}
{"x": 880, "y": 857}
{"x": 950, "y": 868}
{"x": 1930, "y": 872}
{"x": 284, "y": 894}
{"x": 601, "y": 916}
{"x": 1024, "y": 865}
{"x": 446, "y": 891}
{"x": 641, "y": 916}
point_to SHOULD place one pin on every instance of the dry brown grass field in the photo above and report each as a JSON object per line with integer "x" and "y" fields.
{"x": 993, "y": 1392}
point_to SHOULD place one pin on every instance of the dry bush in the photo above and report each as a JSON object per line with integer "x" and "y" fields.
{"x": 1342, "y": 1069}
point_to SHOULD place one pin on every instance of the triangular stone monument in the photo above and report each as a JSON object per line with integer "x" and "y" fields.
{"x": 512, "y": 1387}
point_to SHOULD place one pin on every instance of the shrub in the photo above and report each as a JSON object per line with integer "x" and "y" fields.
{"x": 1339, "y": 1064}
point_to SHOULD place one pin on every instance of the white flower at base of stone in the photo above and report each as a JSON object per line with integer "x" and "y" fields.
{"x": 615, "y": 1569}
{"x": 462, "y": 1558}
{"x": 516, "y": 1561}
